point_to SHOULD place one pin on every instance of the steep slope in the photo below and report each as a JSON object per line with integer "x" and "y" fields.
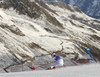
{"x": 76, "y": 19}
{"x": 31, "y": 33}
{"x": 92, "y": 11}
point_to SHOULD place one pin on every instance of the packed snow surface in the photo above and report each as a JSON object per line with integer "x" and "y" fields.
{"x": 90, "y": 70}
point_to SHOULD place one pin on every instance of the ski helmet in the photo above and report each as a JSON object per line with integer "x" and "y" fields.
{"x": 52, "y": 54}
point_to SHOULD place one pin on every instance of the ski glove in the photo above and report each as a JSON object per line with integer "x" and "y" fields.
{"x": 48, "y": 62}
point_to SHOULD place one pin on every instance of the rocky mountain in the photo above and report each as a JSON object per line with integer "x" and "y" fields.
{"x": 89, "y": 7}
{"x": 30, "y": 30}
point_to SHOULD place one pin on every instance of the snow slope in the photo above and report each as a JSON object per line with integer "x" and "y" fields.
{"x": 90, "y": 70}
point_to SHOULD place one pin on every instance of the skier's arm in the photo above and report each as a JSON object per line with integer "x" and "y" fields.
{"x": 52, "y": 59}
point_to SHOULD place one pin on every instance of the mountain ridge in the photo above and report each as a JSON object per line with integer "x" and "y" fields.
{"x": 91, "y": 8}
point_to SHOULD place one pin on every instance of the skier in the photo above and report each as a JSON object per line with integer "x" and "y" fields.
{"x": 59, "y": 61}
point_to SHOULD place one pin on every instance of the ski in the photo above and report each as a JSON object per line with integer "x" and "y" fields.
{"x": 54, "y": 67}
{"x": 50, "y": 68}
{"x": 33, "y": 68}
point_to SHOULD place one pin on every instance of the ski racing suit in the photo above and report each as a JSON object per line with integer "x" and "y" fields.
{"x": 59, "y": 61}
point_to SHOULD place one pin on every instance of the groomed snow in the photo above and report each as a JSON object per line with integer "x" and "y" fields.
{"x": 90, "y": 70}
